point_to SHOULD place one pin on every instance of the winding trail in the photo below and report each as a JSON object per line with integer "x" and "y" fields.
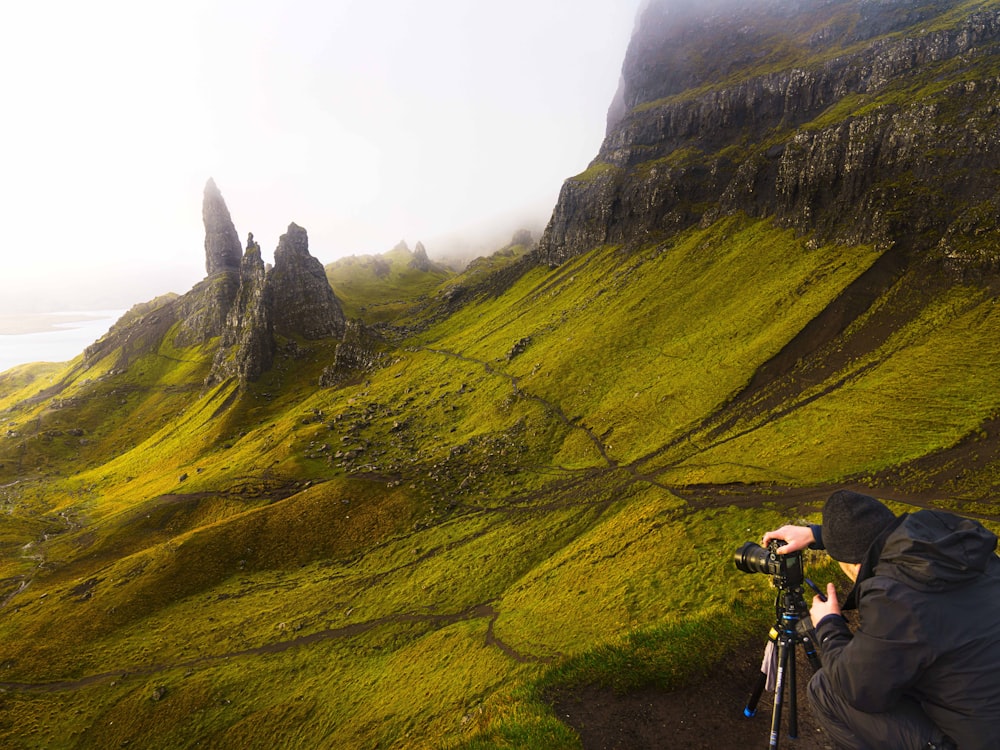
{"x": 548, "y": 405}
{"x": 22, "y": 583}
{"x": 611, "y": 464}
{"x": 480, "y": 611}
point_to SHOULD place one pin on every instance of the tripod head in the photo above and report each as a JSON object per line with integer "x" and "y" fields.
{"x": 792, "y": 617}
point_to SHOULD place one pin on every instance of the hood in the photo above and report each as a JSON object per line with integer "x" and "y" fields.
{"x": 934, "y": 551}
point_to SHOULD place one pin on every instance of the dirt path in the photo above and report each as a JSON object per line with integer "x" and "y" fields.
{"x": 705, "y": 714}
{"x": 481, "y": 611}
{"x": 548, "y": 405}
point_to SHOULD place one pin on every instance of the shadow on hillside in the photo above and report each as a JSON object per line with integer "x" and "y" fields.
{"x": 706, "y": 714}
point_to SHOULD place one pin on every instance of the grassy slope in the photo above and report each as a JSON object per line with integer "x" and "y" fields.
{"x": 685, "y": 326}
{"x": 932, "y": 383}
{"x": 492, "y": 529}
{"x": 381, "y": 287}
{"x": 411, "y": 561}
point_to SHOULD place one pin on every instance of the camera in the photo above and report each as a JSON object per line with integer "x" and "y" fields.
{"x": 786, "y": 569}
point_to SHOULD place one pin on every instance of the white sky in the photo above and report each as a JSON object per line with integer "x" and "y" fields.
{"x": 364, "y": 121}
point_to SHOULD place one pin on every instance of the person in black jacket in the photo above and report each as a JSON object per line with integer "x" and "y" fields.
{"x": 922, "y": 669}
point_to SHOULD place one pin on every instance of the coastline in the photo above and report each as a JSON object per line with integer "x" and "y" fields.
{"x": 21, "y": 324}
{"x": 51, "y": 337}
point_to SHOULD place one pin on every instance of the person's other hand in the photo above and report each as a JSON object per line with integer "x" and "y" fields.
{"x": 796, "y": 538}
{"x": 821, "y": 609}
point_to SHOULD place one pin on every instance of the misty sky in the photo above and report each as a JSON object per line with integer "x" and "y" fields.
{"x": 366, "y": 122}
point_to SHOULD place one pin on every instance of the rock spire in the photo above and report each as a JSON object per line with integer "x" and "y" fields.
{"x": 222, "y": 244}
{"x": 246, "y": 350}
{"x": 302, "y": 299}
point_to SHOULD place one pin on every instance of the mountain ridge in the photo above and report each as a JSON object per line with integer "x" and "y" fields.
{"x": 762, "y": 146}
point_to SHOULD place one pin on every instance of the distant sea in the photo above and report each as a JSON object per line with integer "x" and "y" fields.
{"x": 51, "y": 337}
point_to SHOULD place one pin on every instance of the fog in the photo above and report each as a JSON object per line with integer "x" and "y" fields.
{"x": 442, "y": 121}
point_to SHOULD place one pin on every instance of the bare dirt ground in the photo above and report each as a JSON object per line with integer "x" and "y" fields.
{"x": 706, "y": 714}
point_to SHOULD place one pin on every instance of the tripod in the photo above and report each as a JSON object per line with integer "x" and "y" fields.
{"x": 792, "y": 626}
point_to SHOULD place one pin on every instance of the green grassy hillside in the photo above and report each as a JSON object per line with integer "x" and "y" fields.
{"x": 378, "y": 288}
{"x": 542, "y": 489}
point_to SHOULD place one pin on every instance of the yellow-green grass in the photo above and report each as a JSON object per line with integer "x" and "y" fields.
{"x": 487, "y": 538}
{"x": 931, "y": 383}
{"x": 405, "y": 679}
{"x": 96, "y": 413}
{"x": 25, "y": 381}
{"x": 639, "y": 347}
{"x": 379, "y": 288}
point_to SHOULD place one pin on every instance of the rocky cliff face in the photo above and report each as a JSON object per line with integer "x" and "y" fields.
{"x": 204, "y": 309}
{"x": 248, "y": 307}
{"x": 291, "y": 300}
{"x": 849, "y": 121}
{"x": 246, "y": 350}
{"x": 420, "y": 260}
{"x": 222, "y": 243}
{"x": 302, "y": 301}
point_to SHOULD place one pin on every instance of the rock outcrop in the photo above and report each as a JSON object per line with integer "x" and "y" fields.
{"x": 358, "y": 353}
{"x": 420, "y": 261}
{"x": 302, "y": 301}
{"x": 805, "y": 112}
{"x": 222, "y": 243}
{"x": 292, "y": 300}
{"x": 246, "y": 350}
{"x": 254, "y": 311}
{"x": 204, "y": 309}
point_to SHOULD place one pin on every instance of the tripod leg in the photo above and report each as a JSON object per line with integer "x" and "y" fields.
{"x": 807, "y": 637}
{"x": 779, "y": 688}
{"x": 793, "y": 714}
{"x": 751, "y": 708}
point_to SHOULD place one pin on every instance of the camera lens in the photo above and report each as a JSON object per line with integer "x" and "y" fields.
{"x": 752, "y": 558}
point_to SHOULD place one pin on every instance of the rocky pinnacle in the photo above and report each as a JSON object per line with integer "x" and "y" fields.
{"x": 303, "y": 302}
{"x": 222, "y": 244}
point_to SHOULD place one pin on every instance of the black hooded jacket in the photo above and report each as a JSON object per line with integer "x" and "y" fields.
{"x": 928, "y": 596}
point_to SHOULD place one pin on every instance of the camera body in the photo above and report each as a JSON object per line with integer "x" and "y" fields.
{"x": 786, "y": 570}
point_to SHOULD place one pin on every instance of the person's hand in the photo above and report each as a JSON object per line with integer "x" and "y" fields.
{"x": 796, "y": 538}
{"x": 821, "y": 609}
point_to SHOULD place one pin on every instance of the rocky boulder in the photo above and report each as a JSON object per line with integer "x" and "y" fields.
{"x": 358, "y": 353}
